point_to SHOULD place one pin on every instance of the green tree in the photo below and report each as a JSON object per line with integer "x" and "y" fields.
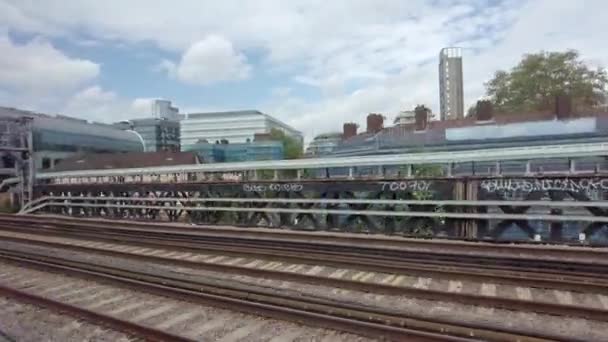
{"x": 534, "y": 83}
{"x": 428, "y": 170}
{"x": 472, "y": 111}
{"x": 292, "y": 148}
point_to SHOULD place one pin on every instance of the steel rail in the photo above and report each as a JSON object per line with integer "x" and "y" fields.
{"x": 452, "y": 215}
{"x": 463, "y": 298}
{"x": 538, "y": 278}
{"x": 8, "y": 181}
{"x": 444, "y": 245}
{"x": 364, "y": 320}
{"x": 150, "y": 334}
{"x": 321, "y": 244}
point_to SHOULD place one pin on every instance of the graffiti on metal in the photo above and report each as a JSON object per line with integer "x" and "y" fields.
{"x": 290, "y": 187}
{"x": 555, "y": 184}
{"x": 413, "y": 185}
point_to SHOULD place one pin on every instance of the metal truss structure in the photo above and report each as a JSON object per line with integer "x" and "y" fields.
{"x": 558, "y": 208}
{"x": 16, "y": 151}
{"x": 250, "y": 170}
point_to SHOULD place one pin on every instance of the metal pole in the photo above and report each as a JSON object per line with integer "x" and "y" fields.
{"x": 572, "y": 165}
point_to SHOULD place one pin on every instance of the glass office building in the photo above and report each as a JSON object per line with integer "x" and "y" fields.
{"x": 234, "y": 126}
{"x": 59, "y": 137}
{"x": 158, "y": 134}
{"x": 248, "y": 151}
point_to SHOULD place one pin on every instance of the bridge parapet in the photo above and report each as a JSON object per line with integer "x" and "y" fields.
{"x": 557, "y": 208}
{"x": 549, "y": 159}
{"x": 384, "y": 194}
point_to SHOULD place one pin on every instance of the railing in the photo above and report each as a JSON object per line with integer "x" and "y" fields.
{"x": 7, "y": 182}
{"x": 469, "y": 219}
{"x": 456, "y": 203}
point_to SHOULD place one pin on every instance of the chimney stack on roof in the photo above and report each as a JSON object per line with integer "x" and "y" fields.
{"x": 484, "y": 110}
{"x": 262, "y": 137}
{"x": 563, "y": 106}
{"x": 375, "y": 123}
{"x": 422, "y": 117}
{"x": 349, "y": 130}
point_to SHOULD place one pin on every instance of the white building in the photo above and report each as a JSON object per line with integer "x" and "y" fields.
{"x": 234, "y": 126}
{"x": 323, "y": 144}
{"x": 405, "y": 117}
{"x": 451, "y": 99}
{"x": 163, "y": 109}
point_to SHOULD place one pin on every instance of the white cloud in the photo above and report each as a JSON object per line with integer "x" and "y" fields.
{"x": 356, "y": 55}
{"x": 96, "y": 104}
{"x": 37, "y": 67}
{"x": 167, "y": 67}
{"x": 393, "y": 94}
{"x": 535, "y": 26}
{"x": 281, "y": 92}
{"x": 142, "y": 106}
{"x": 93, "y": 94}
{"x": 208, "y": 61}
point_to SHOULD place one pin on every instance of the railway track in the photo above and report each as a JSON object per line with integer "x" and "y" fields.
{"x": 178, "y": 319}
{"x": 358, "y": 319}
{"x": 150, "y": 334}
{"x": 307, "y": 275}
{"x": 437, "y": 255}
{"x": 431, "y": 246}
{"x": 578, "y": 276}
{"x": 97, "y": 238}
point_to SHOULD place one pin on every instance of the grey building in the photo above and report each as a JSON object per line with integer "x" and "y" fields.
{"x": 162, "y": 109}
{"x": 158, "y": 134}
{"x": 59, "y": 137}
{"x": 450, "y": 84}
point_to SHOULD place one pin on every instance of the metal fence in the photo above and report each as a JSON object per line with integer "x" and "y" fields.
{"x": 574, "y": 212}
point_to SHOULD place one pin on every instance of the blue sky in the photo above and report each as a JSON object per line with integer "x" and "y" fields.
{"x": 314, "y": 64}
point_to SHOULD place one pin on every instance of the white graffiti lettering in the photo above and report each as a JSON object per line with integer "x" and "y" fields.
{"x": 291, "y": 187}
{"x": 558, "y": 184}
{"x": 414, "y": 185}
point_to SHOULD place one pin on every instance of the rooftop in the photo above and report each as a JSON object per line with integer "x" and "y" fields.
{"x": 98, "y": 161}
{"x": 330, "y": 135}
{"x": 500, "y": 130}
{"x": 240, "y": 112}
{"x": 229, "y": 112}
{"x": 67, "y": 124}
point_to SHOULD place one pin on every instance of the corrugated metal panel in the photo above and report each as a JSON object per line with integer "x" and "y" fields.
{"x": 523, "y": 129}
{"x": 502, "y": 154}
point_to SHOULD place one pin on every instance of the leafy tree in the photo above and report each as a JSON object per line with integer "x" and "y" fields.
{"x": 292, "y": 147}
{"x": 534, "y": 83}
{"x": 472, "y": 111}
{"x": 428, "y": 170}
